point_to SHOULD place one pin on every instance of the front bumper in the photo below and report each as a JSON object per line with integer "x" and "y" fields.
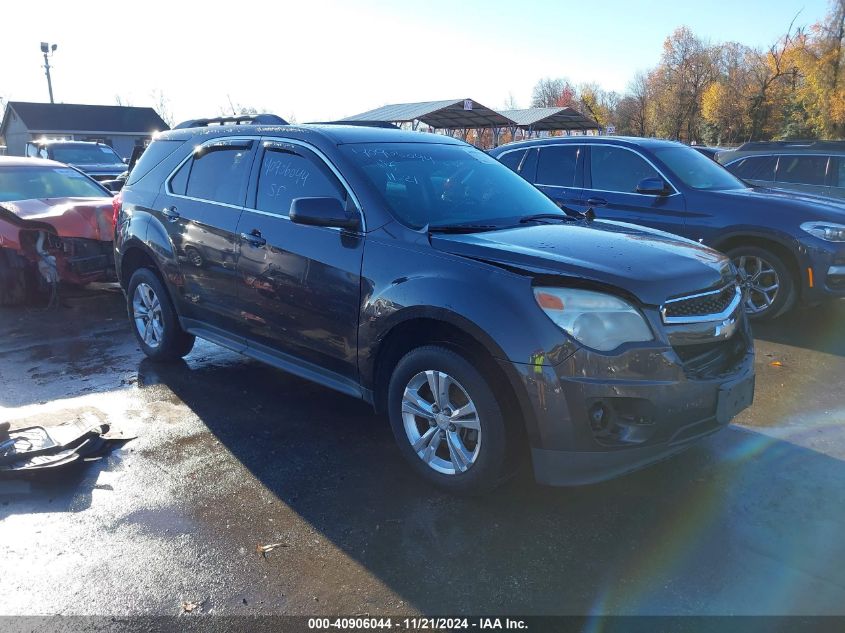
{"x": 598, "y": 416}
{"x": 823, "y": 271}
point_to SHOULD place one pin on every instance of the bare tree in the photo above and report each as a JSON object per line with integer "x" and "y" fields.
{"x": 121, "y": 101}
{"x": 161, "y": 104}
{"x": 551, "y": 93}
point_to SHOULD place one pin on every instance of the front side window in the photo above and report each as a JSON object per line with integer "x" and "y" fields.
{"x": 697, "y": 171}
{"x": 437, "y": 185}
{"x": 557, "y": 165}
{"x": 288, "y": 173}
{"x": 511, "y": 160}
{"x": 802, "y": 170}
{"x": 215, "y": 173}
{"x": 27, "y": 183}
{"x": 620, "y": 170}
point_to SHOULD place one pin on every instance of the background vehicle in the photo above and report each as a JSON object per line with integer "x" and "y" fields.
{"x": 788, "y": 247}
{"x": 56, "y": 225}
{"x": 415, "y": 272}
{"x": 98, "y": 160}
{"x": 709, "y": 152}
{"x": 816, "y": 167}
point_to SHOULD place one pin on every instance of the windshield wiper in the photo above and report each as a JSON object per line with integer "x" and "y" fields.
{"x": 460, "y": 228}
{"x": 548, "y": 216}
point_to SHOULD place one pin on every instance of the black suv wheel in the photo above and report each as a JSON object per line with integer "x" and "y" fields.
{"x": 447, "y": 421}
{"x": 153, "y": 318}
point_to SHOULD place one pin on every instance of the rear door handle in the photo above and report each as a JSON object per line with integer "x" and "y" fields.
{"x": 254, "y": 238}
{"x": 596, "y": 202}
{"x": 171, "y": 213}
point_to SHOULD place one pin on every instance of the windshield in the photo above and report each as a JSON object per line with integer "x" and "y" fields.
{"x": 441, "y": 185}
{"x": 696, "y": 170}
{"x": 27, "y": 183}
{"x": 84, "y": 154}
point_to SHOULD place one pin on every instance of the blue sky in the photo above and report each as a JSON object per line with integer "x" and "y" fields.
{"x": 325, "y": 59}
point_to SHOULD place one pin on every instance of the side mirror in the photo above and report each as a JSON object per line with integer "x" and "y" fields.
{"x": 125, "y": 161}
{"x": 322, "y": 212}
{"x": 652, "y": 187}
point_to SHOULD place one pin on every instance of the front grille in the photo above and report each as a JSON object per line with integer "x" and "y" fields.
{"x": 709, "y": 360}
{"x": 711, "y": 303}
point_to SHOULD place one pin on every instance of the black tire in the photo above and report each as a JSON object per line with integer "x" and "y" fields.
{"x": 14, "y": 280}
{"x": 491, "y": 464}
{"x": 784, "y": 299}
{"x": 173, "y": 342}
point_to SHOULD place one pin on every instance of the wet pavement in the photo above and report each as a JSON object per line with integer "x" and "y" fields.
{"x": 231, "y": 455}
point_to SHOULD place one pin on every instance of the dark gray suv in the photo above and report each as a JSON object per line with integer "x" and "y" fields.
{"x": 417, "y": 273}
{"x": 815, "y": 167}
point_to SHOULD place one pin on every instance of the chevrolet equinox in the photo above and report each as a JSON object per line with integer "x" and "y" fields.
{"x": 421, "y": 275}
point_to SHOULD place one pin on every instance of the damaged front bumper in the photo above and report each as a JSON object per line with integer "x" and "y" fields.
{"x": 600, "y": 416}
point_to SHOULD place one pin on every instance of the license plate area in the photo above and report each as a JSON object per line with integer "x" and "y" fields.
{"x": 733, "y": 398}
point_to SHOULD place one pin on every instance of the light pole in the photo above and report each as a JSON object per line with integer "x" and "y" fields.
{"x": 48, "y": 50}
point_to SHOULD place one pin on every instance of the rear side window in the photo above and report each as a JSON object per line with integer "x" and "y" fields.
{"x": 802, "y": 170}
{"x": 557, "y": 165}
{"x": 217, "y": 173}
{"x": 151, "y": 158}
{"x": 287, "y": 174}
{"x": 511, "y": 160}
{"x": 754, "y": 168}
{"x": 618, "y": 169}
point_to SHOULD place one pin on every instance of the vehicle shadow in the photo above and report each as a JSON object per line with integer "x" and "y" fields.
{"x": 741, "y": 523}
{"x": 818, "y": 328}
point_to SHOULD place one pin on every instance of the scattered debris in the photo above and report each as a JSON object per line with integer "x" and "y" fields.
{"x": 265, "y": 549}
{"x": 776, "y": 363}
{"x": 36, "y": 448}
{"x": 190, "y": 607}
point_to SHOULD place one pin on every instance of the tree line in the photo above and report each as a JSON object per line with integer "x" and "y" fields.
{"x": 726, "y": 93}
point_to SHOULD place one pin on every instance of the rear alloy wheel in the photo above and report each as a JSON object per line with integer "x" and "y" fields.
{"x": 766, "y": 282}
{"x": 447, "y": 421}
{"x": 153, "y": 318}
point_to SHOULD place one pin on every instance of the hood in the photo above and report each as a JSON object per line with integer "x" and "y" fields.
{"x": 651, "y": 265}
{"x": 809, "y": 207}
{"x": 90, "y": 218}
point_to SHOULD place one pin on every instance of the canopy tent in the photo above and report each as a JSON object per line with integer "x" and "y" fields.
{"x": 548, "y": 119}
{"x": 455, "y": 114}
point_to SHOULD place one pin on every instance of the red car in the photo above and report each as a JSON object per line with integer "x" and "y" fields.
{"x": 56, "y": 225}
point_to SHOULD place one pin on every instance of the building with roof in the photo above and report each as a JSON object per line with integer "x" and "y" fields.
{"x": 122, "y": 127}
{"x": 463, "y": 115}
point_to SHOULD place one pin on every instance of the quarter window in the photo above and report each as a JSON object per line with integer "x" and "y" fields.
{"x": 617, "y": 169}
{"x": 557, "y": 165}
{"x": 287, "y": 174}
{"x": 803, "y": 170}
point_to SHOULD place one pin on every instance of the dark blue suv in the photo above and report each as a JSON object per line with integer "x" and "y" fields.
{"x": 788, "y": 247}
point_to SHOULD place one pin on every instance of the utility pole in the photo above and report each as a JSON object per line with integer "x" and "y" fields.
{"x": 48, "y": 50}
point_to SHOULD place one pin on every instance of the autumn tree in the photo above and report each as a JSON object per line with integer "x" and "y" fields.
{"x": 552, "y": 93}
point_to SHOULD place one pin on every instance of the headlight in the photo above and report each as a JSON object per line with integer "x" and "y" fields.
{"x": 827, "y": 231}
{"x": 600, "y": 321}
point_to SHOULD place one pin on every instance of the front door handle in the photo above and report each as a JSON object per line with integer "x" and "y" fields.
{"x": 170, "y": 213}
{"x": 254, "y": 238}
{"x": 596, "y": 202}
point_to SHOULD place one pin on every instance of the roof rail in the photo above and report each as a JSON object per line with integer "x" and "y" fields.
{"x": 808, "y": 143}
{"x": 244, "y": 119}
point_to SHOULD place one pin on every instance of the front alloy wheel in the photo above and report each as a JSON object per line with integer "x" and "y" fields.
{"x": 441, "y": 422}
{"x": 440, "y": 407}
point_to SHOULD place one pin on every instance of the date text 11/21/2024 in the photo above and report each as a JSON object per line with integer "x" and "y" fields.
{"x": 417, "y": 623}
